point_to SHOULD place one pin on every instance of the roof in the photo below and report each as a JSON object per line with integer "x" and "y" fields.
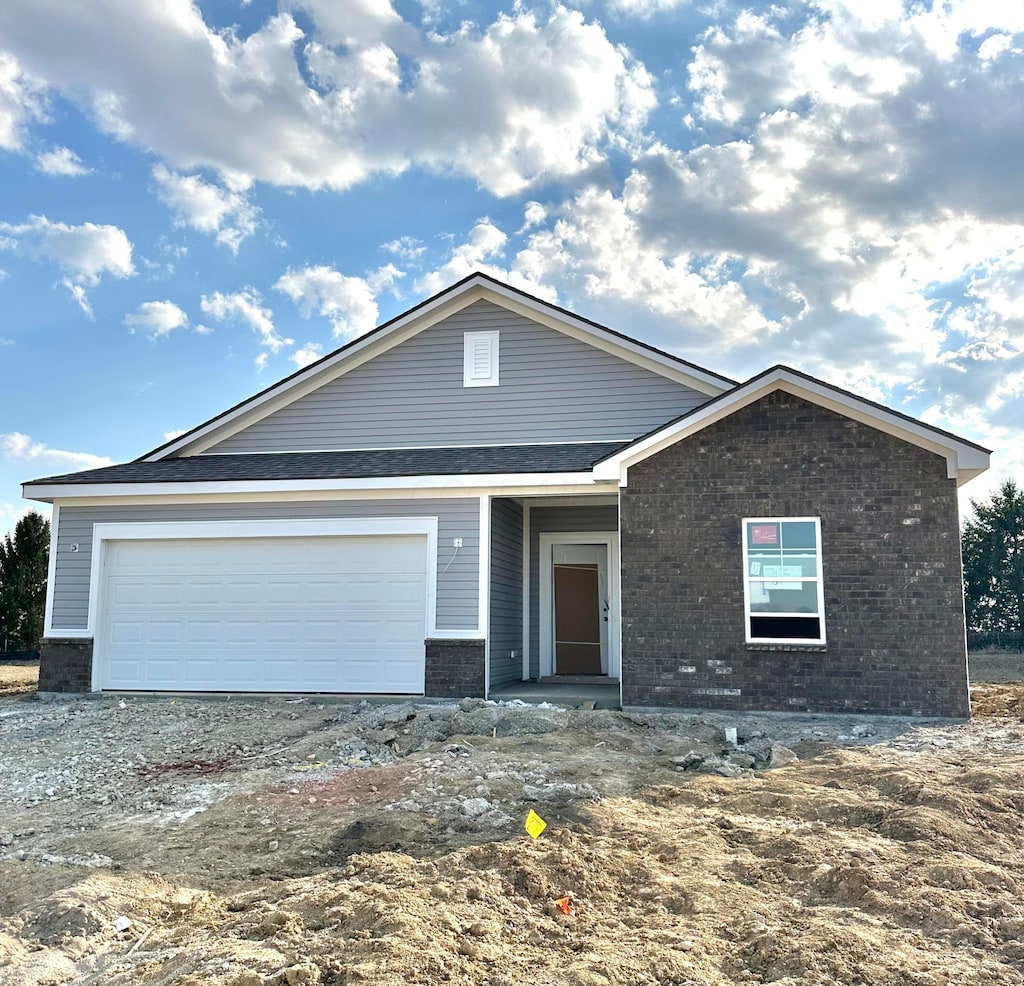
{"x": 421, "y": 316}
{"x": 356, "y": 464}
{"x": 965, "y": 459}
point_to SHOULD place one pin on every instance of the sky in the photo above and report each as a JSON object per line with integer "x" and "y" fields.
{"x": 197, "y": 198}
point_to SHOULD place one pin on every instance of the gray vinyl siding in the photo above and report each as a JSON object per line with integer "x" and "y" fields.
{"x": 553, "y": 388}
{"x": 458, "y": 584}
{"x": 506, "y": 602}
{"x": 557, "y": 520}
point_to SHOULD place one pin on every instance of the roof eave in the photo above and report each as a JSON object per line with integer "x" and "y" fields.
{"x": 964, "y": 459}
{"x": 47, "y": 493}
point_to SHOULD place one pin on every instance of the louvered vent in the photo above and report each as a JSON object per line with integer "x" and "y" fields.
{"x": 480, "y": 359}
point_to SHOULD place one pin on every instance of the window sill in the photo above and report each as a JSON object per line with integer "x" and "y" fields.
{"x": 797, "y": 648}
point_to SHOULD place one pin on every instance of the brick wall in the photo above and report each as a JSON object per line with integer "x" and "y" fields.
{"x": 65, "y": 664}
{"x": 891, "y": 559}
{"x": 455, "y": 668}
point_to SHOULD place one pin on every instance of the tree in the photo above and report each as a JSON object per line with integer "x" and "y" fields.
{"x": 993, "y": 549}
{"x": 24, "y": 559}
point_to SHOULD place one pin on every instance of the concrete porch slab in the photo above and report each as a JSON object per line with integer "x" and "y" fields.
{"x": 569, "y": 695}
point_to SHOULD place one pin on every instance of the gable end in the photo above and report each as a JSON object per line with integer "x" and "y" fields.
{"x": 472, "y": 289}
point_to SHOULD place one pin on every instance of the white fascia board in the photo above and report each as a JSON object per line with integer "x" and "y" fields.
{"x": 518, "y": 483}
{"x": 412, "y": 323}
{"x": 963, "y": 461}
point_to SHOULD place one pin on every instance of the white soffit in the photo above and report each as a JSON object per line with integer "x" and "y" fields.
{"x": 422, "y": 317}
{"x": 964, "y": 460}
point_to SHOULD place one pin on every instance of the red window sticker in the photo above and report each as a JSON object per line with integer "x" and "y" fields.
{"x": 764, "y": 534}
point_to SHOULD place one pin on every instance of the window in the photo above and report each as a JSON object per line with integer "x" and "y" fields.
{"x": 782, "y": 588}
{"x": 480, "y": 359}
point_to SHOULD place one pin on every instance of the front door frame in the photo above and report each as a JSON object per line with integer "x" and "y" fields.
{"x": 546, "y": 592}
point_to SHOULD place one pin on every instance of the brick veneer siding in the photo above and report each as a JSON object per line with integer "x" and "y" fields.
{"x": 65, "y": 664}
{"x": 891, "y": 556}
{"x": 455, "y": 668}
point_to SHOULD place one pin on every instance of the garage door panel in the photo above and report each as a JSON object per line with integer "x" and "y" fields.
{"x": 274, "y": 614}
{"x": 201, "y": 669}
{"x": 236, "y": 631}
{"x": 200, "y": 632}
{"x": 127, "y": 632}
{"x": 396, "y": 632}
{"x": 128, "y": 593}
{"x": 281, "y": 631}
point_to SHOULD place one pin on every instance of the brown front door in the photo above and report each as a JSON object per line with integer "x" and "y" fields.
{"x": 577, "y": 619}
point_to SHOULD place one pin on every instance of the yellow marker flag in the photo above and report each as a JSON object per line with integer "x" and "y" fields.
{"x": 534, "y": 824}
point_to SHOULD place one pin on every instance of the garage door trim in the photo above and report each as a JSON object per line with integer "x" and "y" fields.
{"x": 191, "y": 530}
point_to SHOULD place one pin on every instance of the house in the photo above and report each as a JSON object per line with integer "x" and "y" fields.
{"x": 489, "y": 489}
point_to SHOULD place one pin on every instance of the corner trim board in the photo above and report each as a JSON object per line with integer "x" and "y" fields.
{"x": 51, "y": 571}
{"x": 484, "y": 587}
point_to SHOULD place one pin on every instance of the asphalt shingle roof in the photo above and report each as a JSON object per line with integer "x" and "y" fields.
{"x": 360, "y": 464}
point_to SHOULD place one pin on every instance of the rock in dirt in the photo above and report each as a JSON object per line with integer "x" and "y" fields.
{"x": 504, "y": 722}
{"x": 305, "y": 974}
{"x": 475, "y": 807}
{"x": 781, "y": 756}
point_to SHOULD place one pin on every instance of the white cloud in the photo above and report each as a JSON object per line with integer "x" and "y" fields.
{"x": 205, "y": 207}
{"x": 533, "y": 215}
{"x": 84, "y": 253}
{"x": 645, "y": 9}
{"x": 156, "y": 318}
{"x": 349, "y": 302}
{"x": 307, "y": 354}
{"x": 484, "y": 244}
{"x": 61, "y": 161}
{"x": 517, "y": 101}
{"x": 599, "y": 247}
{"x": 355, "y": 23}
{"x": 246, "y": 306}
{"x": 169, "y": 436}
{"x": 21, "y": 103}
{"x": 17, "y": 447}
{"x": 405, "y": 248}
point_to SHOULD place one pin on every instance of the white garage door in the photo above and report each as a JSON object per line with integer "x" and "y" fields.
{"x": 337, "y": 614}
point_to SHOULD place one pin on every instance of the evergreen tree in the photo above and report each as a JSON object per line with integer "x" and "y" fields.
{"x": 23, "y": 568}
{"x": 993, "y": 550}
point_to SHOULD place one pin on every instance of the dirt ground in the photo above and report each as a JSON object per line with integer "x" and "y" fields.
{"x": 255, "y": 842}
{"x": 19, "y": 679}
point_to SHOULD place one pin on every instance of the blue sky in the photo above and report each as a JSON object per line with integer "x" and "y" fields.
{"x": 196, "y": 198}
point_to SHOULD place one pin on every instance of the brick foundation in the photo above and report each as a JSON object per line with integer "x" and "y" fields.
{"x": 65, "y": 664}
{"x": 455, "y": 668}
{"x": 891, "y": 560}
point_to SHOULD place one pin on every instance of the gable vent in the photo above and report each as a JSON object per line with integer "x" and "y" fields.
{"x": 480, "y": 359}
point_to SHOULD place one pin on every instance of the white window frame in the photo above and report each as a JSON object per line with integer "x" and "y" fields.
{"x": 818, "y": 578}
{"x": 469, "y": 343}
